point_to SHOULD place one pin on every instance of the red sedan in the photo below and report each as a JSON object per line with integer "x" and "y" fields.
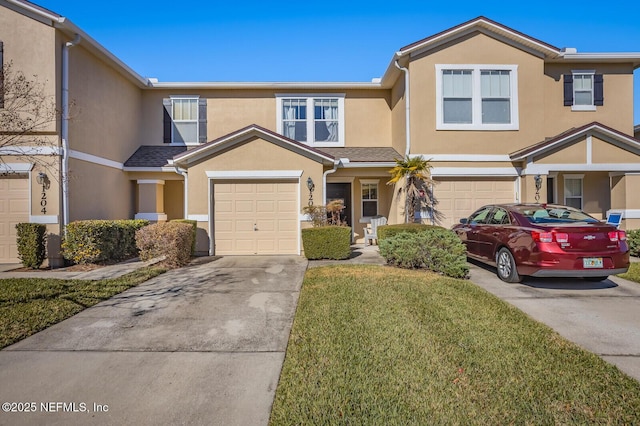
{"x": 543, "y": 240}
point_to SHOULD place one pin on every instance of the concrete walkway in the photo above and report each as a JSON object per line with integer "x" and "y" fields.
{"x": 203, "y": 344}
{"x": 601, "y": 317}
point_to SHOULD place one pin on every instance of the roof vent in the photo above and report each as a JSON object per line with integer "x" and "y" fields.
{"x": 376, "y": 80}
{"x": 569, "y": 50}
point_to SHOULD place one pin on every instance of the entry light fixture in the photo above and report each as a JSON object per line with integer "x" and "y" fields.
{"x": 311, "y": 187}
{"x": 538, "y": 180}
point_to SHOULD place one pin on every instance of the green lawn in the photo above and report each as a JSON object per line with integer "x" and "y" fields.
{"x": 377, "y": 345}
{"x": 633, "y": 274}
{"x": 28, "y": 305}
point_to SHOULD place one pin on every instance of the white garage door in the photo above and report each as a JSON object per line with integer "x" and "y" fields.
{"x": 14, "y": 208}
{"x": 459, "y": 197}
{"x": 255, "y": 217}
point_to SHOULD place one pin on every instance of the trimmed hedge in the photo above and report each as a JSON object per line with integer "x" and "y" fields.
{"x": 93, "y": 241}
{"x": 327, "y": 242}
{"x": 31, "y": 238}
{"x": 387, "y": 231}
{"x": 633, "y": 240}
{"x": 170, "y": 239}
{"x": 194, "y": 224}
{"x": 436, "y": 249}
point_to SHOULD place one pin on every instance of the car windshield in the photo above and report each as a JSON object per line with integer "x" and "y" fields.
{"x": 554, "y": 214}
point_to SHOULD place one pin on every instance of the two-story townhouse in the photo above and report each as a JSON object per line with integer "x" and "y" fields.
{"x": 494, "y": 110}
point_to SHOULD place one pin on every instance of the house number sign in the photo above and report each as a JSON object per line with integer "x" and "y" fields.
{"x": 43, "y": 199}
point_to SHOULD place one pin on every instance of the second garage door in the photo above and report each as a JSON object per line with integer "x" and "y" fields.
{"x": 14, "y": 208}
{"x": 459, "y": 197}
{"x": 255, "y": 217}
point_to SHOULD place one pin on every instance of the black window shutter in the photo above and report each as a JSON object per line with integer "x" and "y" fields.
{"x": 166, "y": 137}
{"x": 202, "y": 120}
{"x": 568, "y": 90}
{"x": 1, "y": 75}
{"x": 598, "y": 90}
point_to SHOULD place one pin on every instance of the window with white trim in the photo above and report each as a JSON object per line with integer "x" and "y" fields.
{"x": 369, "y": 197}
{"x": 573, "y": 191}
{"x": 583, "y": 90}
{"x": 184, "y": 112}
{"x": 477, "y": 97}
{"x": 316, "y": 120}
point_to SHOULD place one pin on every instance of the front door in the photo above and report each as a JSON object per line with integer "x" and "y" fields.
{"x": 341, "y": 191}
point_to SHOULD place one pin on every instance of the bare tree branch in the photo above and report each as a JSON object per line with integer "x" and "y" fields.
{"x": 26, "y": 120}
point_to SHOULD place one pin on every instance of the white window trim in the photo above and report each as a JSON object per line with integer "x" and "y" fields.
{"x": 375, "y": 182}
{"x": 477, "y": 98}
{"x": 310, "y": 97}
{"x": 584, "y": 107}
{"x": 197, "y": 120}
{"x": 564, "y": 184}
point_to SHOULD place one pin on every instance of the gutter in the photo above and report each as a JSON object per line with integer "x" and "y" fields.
{"x": 407, "y": 107}
{"x": 64, "y": 129}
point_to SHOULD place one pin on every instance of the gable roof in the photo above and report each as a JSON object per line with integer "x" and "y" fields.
{"x": 243, "y": 135}
{"x": 486, "y": 26}
{"x": 630, "y": 143}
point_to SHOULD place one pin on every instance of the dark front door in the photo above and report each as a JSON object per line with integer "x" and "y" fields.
{"x": 341, "y": 191}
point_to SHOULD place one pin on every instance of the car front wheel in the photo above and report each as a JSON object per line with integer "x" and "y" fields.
{"x": 506, "y": 267}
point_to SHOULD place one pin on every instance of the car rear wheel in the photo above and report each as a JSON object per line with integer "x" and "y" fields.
{"x": 595, "y": 279}
{"x": 506, "y": 267}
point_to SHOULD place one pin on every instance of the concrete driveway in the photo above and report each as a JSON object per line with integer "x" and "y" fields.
{"x": 199, "y": 345}
{"x": 603, "y": 318}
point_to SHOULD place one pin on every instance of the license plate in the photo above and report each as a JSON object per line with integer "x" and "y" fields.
{"x": 592, "y": 262}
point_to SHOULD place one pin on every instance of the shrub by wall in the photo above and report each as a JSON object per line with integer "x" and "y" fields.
{"x": 633, "y": 240}
{"x": 173, "y": 240}
{"x": 31, "y": 238}
{"x": 436, "y": 249}
{"x": 194, "y": 224}
{"x": 93, "y": 241}
{"x": 387, "y": 231}
{"x": 327, "y": 242}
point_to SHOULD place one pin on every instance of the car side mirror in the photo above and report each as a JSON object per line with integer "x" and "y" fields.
{"x": 464, "y": 221}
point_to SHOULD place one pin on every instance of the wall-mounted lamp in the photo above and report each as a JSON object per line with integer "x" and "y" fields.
{"x": 311, "y": 187}
{"x": 538, "y": 180}
{"x": 42, "y": 178}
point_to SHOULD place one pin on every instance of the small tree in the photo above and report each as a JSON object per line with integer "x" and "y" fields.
{"x": 417, "y": 186}
{"x": 25, "y": 113}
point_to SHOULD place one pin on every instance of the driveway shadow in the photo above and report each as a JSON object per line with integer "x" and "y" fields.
{"x": 553, "y": 283}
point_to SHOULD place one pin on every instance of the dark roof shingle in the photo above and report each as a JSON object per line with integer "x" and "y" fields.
{"x": 153, "y": 155}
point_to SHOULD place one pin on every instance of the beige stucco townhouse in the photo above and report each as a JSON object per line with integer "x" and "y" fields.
{"x": 493, "y": 109}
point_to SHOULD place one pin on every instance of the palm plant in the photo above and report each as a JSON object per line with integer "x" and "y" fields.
{"x": 417, "y": 186}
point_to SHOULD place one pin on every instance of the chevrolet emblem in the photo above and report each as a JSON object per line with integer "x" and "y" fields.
{"x": 590, "y": 237}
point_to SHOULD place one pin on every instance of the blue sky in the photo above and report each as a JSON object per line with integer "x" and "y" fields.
{"x": 327, "y": 40}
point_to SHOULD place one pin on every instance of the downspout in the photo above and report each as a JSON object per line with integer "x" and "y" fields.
{"x": 336, "y": 163}
{"x": 64, "y": 130}
{"x": 407, "y": 123}
{"x": 185, "y": 175}
{"x": 407, "y": 108}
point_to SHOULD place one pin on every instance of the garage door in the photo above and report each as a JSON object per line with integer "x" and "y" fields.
{"x": 14, "y": 208}
{"x": 255, "y": 217}
{"x": 459, "y": 197}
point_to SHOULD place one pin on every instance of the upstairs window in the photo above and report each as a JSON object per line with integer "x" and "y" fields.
{"x": 185, "y": 120}
{"x": 583, "y": 90}
{"x": 476, "y": 97}
{"x": 316, "y": 120}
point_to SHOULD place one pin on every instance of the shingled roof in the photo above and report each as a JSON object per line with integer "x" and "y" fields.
{"x": 153, "y": 156}
{"x": 364, "y": 155}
